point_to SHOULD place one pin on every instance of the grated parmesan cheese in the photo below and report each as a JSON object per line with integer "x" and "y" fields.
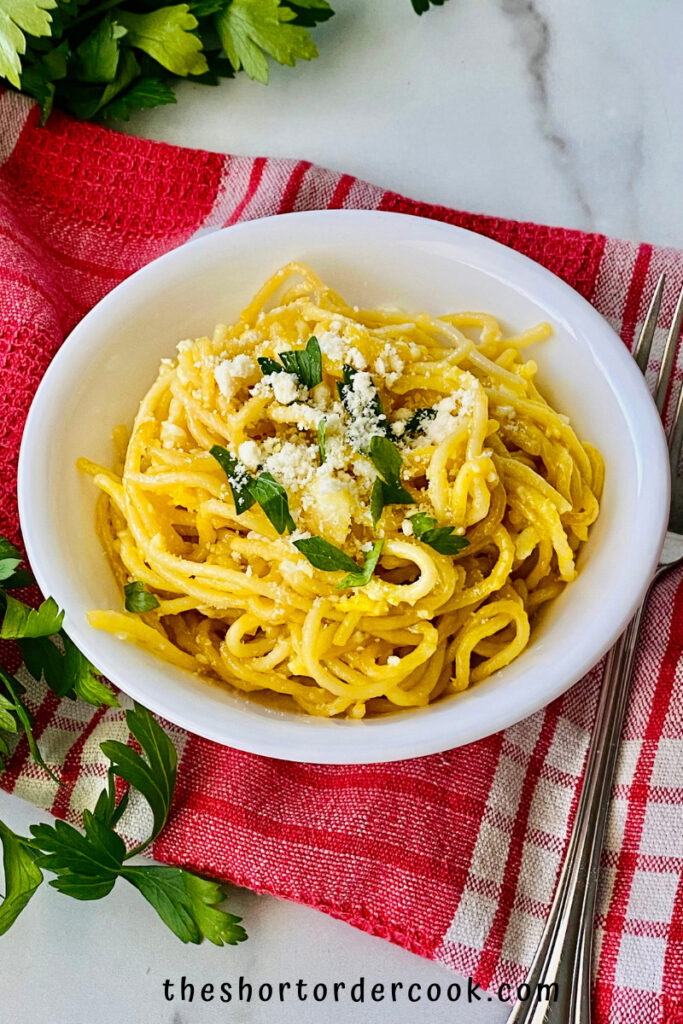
{"x": 230, "y": 374}
{"x": 365, "y": 421}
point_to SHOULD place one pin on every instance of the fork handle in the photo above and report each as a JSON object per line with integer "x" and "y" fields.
{"x": 564, "y": 952}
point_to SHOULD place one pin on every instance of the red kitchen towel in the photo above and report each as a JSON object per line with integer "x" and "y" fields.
{"x": 454, "y": 856}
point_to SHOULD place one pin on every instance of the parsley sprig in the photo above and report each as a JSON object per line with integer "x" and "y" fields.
{"x": 87, "y": 864}
{"x": 263, "y": 489}
{"x": 305, "y": 364}
{"x": 49, "y": 654}
{"x": 441, "y": 538}
{"x": 326, "y": 556}
{"x": 387, "y": 488}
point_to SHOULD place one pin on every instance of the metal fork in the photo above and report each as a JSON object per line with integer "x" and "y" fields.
{"x": 563, "y": 957}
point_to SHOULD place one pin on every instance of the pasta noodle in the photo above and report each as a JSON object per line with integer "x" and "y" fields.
{"x": 477, "y": 529}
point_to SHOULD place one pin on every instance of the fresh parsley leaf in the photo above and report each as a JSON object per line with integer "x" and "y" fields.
{"x": 415, "y": 424}
{"x": 7, "y": 720}
{"x": 167, "y": 35}
{"x": 324, "y": 555}
{"x": 420, "y": 6}
{"x": 98, "y": 54}
{"x": 441, "y": 538}
{"x": 22, "y": 876}
{"x": 387, "y": 489}
{"x": 14, "y": 690}
{"x": 10, "y": 557}
{"x": 18, "y": 580}
{"x": 187, "y": 904}
{"x": 22, "y": 621}
{"x": 238, "y": 476}
{"x": 322, "y": 437}
{"x": 153, "y": 774}
{"x": 106, "y": 809}
{"x": 82, "y": 678}
{"x": 17, "y": 17}
{"x": 86, "y": 865}
{"x": 143, "y": 93}
{"x": 272, "y": 497}
{"x": 139, "y": 599}
{"x": 253, "y": 30}
{"x": 269, "y": 366}
{"x": 306, "y": 364}
{"x": 67, "y": 672}
{"x": 309, "y": 12}
{"x": 359, "y": 578}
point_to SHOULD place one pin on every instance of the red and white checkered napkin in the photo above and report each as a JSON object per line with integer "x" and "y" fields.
{"x": 453, "y": 856}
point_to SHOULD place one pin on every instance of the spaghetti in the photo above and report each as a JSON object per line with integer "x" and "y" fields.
{"x": 311, "y": 435}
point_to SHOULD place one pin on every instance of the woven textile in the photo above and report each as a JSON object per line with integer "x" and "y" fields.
{"x": 454, "y": 856}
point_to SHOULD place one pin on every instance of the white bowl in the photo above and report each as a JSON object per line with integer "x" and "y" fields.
{"x": 105, "y": 366}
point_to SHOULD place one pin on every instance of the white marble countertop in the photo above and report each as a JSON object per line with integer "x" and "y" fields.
{"x": 561, "y": 113}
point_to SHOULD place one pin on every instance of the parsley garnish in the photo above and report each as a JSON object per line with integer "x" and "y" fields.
{"x": 387, "y": 489}
{"x": 272, "y": 497}
{"x": 263, "y": 489}
{"x": 416, "y": 423}
{"x": 305, "y": 364}
{"x": 138, "y": 598}
{"x": 441, "y": 538}
{"x": 98, "y": 62}
{"x": 330, "y": 558}
{"x": 238, "y": 478}
{"x": 87, "y": 864}
{"x": 324, "y": 555}
{"x": 360, "y": 578}
{"x": 322, "y": 438}
{"x": 48, "y": 654}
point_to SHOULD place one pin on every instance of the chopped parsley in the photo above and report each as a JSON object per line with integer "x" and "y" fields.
{"x": 441, "y": 538}
{"x": 138, "y": 598}
{"x": 305, "y": 364}
{"x": 387, "y": 489}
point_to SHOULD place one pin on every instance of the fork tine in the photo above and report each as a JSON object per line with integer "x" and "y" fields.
{"x": 641, "y": 352}
{"x": 669, "y": 354}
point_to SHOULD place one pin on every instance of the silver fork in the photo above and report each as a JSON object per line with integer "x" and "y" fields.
{"x": 563, "y": 957}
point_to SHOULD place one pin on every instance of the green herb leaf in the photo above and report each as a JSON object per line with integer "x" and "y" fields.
{"x": 238, "y": 476}
{"x": 154, "y": 775}
{"x": 22, "y": 876}
{"x": 363, "y": 576}
{"x": 86, "y": 866}
{"x": 269, "y": 366}
{"x": 18, "y": 580}
{"x": 309, "y": 12}
{"x": 272, "y": 497}
{"x": 441, "y": 538}
{"x": 17, "y": 17}
{"x": 387, "y": 489}
{"x": 82, "y": 678}
{"x": 306, "y": 364}
{"x": 420, "y": 6}
{"x": 324, "y": 555}
{"x": 14, "y": 689}
{"x": 98, "y": 54}
{"x": 253, "y": 30}
{"x": 10, "y": 557}
{"x": 167, "y": 35}
{"x": 7, "y": 719}
{"x": 187, "y": 904}
{"x": 139, "y": 599}
{"x": 322, "y": 438}
{"x": 22, "y": 621}
{"x": 143, "y": 93}
{"x": 417, "y": 421}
